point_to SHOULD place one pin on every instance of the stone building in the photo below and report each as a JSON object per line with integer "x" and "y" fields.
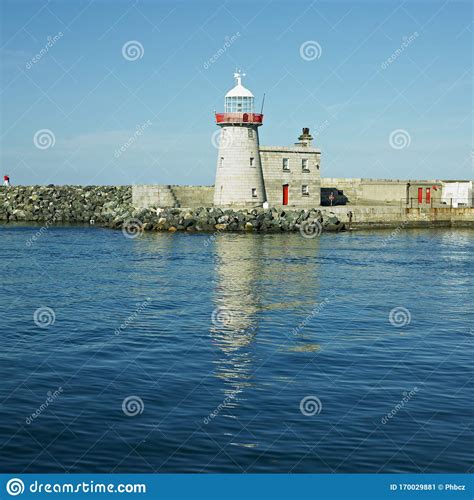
{"x": 291, "y": 174}
{"x": 248, "y": 174}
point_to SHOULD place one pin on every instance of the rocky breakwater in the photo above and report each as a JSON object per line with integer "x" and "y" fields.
{"x": 103, "y": 205}
{"x": 308, "y": 222}
{"x": 111, "y": 206}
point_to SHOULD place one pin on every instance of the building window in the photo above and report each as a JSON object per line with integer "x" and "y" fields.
{"x": 250, "y": 133}
{"x": 254, "y": 192}
{"x": 222, "y": 161}
{"x": 252, "y": 162}
{"x": 305, "y": 190}
{"x": 304, "y": 165}
{"x": 317, "y": 166}
{"x": 286, "y": 164}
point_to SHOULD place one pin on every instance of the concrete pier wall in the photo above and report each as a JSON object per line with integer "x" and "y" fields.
{"x": 169, "y": 196}
{"x": 109, "y": 205}
{"x": 379, "y": 217}
{"x": 362, "y": 191}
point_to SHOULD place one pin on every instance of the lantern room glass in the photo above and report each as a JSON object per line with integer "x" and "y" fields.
{"x": 239, "y": 104}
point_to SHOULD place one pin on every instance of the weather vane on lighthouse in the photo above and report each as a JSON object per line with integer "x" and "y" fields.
{"x": 238, "y": 76}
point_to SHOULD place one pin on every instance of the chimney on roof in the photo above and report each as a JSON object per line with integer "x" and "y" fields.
{"x": 305, "y": 138}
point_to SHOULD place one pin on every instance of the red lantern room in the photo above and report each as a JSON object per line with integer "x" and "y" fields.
{"x": 239, "y": 105}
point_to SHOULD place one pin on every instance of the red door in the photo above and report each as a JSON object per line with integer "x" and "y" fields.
{"x": 285, "y": 194}
{"x": 428, "y": 195}
{"x": 420, "y": 196}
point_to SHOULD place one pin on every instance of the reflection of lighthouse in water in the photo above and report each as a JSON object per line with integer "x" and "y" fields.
{"x": 234, "y": 322}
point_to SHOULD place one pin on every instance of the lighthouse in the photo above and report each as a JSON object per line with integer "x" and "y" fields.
{"x": 239, "y": 176}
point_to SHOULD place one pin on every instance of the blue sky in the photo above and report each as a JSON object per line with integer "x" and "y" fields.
{"x": 372, "y": 70}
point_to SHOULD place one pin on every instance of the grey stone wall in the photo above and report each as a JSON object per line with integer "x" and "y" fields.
{"x": 275, "y": 177}
{"x": 383, "y": 191}
{"x": 153, "y": 195}
{"x": 376, "y": 216}
{"x": 165, "y": 196}
{"x": 194, "y": 196}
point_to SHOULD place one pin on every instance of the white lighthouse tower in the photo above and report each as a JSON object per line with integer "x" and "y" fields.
{"x": 239, "y": 176}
